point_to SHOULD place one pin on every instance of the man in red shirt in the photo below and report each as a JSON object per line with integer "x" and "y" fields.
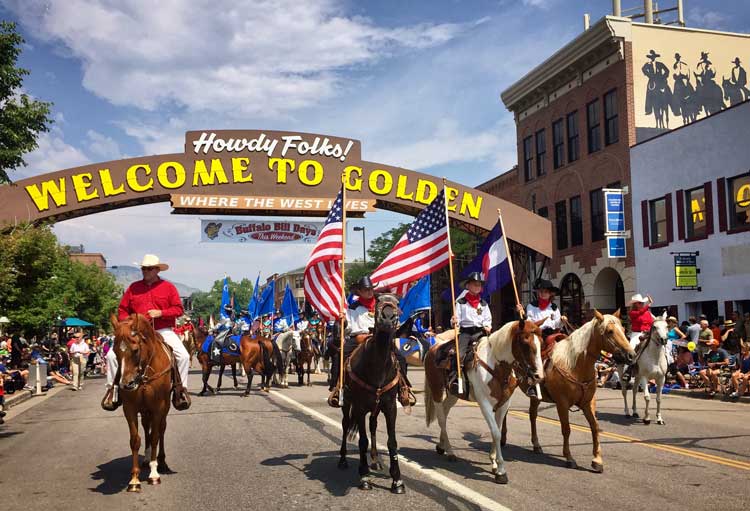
{"x": 159, "y": 300}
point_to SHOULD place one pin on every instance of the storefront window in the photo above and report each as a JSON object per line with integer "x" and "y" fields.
{"x": 739, "y": 201}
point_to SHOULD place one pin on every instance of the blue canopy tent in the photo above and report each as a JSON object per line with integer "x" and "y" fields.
{"x": 77, "y": 322}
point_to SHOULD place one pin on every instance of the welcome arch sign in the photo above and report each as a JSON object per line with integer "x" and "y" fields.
{"x": 259, "y": 172}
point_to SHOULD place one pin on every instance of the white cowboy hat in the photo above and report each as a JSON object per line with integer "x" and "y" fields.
{"x": 638, "y": 298}
{"x": 150, "y": 260}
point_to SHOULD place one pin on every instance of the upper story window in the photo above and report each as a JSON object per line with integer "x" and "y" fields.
{"x": 558, "y": 144}
{"x": 576, "y": 221}
{"x": 695, "y": 213}
{"x": 561, "y": 225}
{"x": 593, "y": 123}
{"x": 574, "y": 151}
{"x": 541, "y": 151}
{"x": 543, "y": 212}
{"x": 611, "y": 128}
{"x": 528, "y": 155}
{"x": 739, "y": 201}
{"x": 596, "y": 198}
{"x": 658, "y": 221}
{"x": 299, "y": 282}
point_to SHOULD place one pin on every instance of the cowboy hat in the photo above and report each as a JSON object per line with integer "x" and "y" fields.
{"x": 474, "y": 276}
{"x": 638, "y": 298}
{"x": 363, "y": 283}
{"x": 736, "y": 61}
{"x": 152, "y": 261}
{"x": 672, "y": 318}
{"x": 729, "y": 323}
{"x": 652, "y": 55}
{"x": 545, "y": 284}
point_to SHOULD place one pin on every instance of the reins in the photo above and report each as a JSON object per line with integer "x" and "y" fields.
{"x": 142, "y": 377}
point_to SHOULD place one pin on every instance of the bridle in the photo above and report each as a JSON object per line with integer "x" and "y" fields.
{"x": 384, "y": 301}
{"x": 141, "y": 377}
{"x": 523, "y": 366}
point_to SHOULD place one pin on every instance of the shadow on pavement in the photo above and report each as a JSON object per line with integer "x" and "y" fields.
{"x": 113, "y": 476}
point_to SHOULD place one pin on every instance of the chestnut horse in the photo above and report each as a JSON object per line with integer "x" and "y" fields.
{"x": 305, "y": 357}
{"x": 570, "y": 379}
{"x": 145, "y": 373}
{"x": 259, "y": 356}
{"x": 204, "y": 359}
{"x": 512, "y": 351}
{"x": 371, "y": 382}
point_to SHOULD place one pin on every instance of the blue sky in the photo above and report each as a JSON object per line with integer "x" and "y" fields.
{"x": 128, "y": 78}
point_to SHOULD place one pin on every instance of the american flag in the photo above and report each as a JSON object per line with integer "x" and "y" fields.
{"x": 422, "y": 249}
{"x": 323, "y": 284}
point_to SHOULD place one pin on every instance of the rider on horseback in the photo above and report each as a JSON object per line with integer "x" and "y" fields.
{"x": 223, "y": 331}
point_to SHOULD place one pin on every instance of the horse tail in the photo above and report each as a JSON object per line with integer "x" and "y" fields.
{"x": 277, "y": 357}
{"x": 353, "y": 426}
{"x": 429, "y": 405}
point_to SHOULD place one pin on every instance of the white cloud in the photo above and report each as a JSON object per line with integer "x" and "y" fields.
{"x": 705, "y": 18}
{"x": 259, "y": 57}
{"x": 52, "y": 154}
{"x": 102, "y": 147}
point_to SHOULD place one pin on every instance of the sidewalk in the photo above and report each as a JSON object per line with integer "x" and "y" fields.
{"x": 701, "y": 394}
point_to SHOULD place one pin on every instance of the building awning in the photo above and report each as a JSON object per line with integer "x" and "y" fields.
{"x": 77, "y": 322}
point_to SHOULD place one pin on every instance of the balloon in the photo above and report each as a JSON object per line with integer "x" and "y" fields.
{"x": 691, "y": 346}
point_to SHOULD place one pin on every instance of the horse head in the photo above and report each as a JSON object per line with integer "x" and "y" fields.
{"x": 296, "y": 340}
{"x": 526, "y": 345}
{"x": 387, "y": 313}
{"x": 132, "y": 347}
{"x": 660, "y": 329}
{"x": 612, "y": 334}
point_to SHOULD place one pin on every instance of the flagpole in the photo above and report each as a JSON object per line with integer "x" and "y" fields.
{"x": 453, "y": 293}
{"x": 343, "y": 288}
{"x": 510, "y": 260}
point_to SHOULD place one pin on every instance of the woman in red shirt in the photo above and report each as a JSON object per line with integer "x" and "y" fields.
{"x": 640, "y": 317}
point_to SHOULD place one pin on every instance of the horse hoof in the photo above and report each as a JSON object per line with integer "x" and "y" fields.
{"x": 501, "y": 478}
{"x": 660, "y": 422}
{"x": 452, "y": 458}
{"x": 365, "y": 485}
{"x": 398, "y": 487}
{"x": 439, "y": 450}
{"x": 267, "y": 390}
{"x": 571, "y": 464}
{"x": 202, "y": 393}
{"x": 134, "y": 488}
{"x": 154, "y": 481}
{"x": 598, "y": 467}
{"x": 343, "y": 464}
{"x": 635, "y": 415}
{"x": 503, "y": 442}
{"x": 538, "y": 449}
{"x": 628, "y": 415}
{"x": 647, "y": 421}
{"x": 376, "y": 465}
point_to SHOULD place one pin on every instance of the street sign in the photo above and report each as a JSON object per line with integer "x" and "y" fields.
{"x": 614, "y": 209}
{"x": 616, "y": 246}
{"x": 686, "y": 270}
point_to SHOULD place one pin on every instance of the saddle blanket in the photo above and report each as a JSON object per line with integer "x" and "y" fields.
{"x": 233, "y": 342}
{"x": 409, "y": 346}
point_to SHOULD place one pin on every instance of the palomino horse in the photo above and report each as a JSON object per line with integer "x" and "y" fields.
{"x": 305, "y": 357}
{"x": 204, "y": 359}
{"x": 652, "y": 364}
{"x": 570, "y": 379}
{"x": 288, "y": 343}
{"x": 371, "y": 382}
{"x": 144, "y": 371}
{"x": 512, "y": 351}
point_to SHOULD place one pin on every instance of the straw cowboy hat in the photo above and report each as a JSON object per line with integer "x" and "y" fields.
{"x": 638, "y": 298}
{"x": 150, "y": 261}
{"x": 728, "y": 323}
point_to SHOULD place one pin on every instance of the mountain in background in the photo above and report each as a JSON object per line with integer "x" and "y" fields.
{"x": 126, "y": 275}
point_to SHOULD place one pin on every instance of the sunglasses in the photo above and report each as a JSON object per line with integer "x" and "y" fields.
{"x": 149, "y": 268}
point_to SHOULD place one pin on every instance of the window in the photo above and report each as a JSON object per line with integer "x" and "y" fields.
{"x": 596, "y": 199}
{"x": 541, "y": 150}
{"x": 593, "y": 122}
{"x": 561, "y": 225}
{"x": 695, "y": 213}
{"x": 739, "y": 201}
{"x": 576, "y": 222}
{"x": 527, "y": 156}
{"x": 658, "y": 217}
{"x": 571, "y": 298}
{"x": 611, "y": 128}
{"x": 299, "y": 282}
{"x": 558, "y": 144}
{"x": 573, "y": 149}
{"x": 543, "y": 212}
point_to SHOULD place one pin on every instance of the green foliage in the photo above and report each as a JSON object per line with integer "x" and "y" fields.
{"x": 207, "y": 303}
{"x": 39, "y": 283}
{"x": 22, "y": 119}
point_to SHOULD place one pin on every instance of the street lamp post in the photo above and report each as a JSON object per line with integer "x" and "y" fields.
{"x": 364, "y": 253}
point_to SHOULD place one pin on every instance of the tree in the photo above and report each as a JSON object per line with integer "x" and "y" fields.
{"x": 207, "y": 303}
{"x": 22, "y": 119}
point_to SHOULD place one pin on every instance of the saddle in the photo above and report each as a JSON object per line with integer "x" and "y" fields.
{"x": 549, "y": 343}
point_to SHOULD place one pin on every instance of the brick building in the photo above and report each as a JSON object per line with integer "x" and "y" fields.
{"x": 577, "y": 116}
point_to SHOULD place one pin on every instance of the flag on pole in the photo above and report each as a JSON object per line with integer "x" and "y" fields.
{"x": 416, "y": 299}
{"x": 492, "y": 262}
{"x": 323, "y": 284}
{"x": 267, "y": 300}
{"x": 422, "y": 249}
{"x": 289, "y": 308}
{"x": 252, "y": 305}
{"x": 224, "y": 299}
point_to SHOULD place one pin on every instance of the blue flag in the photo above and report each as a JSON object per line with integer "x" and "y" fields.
{"x": 416, "y": 299}
{"x": 267, "y": 299}
{"x": 289, "y": 308}
{"x": 252, "y": 305}
{"x": 225, "y": 300}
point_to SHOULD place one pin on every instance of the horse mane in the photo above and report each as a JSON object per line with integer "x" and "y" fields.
{"x": 501, "y": 339}
{"x": 566, "y": 352}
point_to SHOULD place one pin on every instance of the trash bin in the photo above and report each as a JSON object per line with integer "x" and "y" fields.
{"x": 38, "y": 376}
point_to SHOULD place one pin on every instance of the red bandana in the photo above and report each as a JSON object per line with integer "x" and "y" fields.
{"x": 473, "y": 299}
{"x": 543, "y": 304}
{"x": 369, "y": 304}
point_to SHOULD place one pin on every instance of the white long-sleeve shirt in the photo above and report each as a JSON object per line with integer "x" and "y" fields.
{"x": 551, "y": 315}
{"x": 359, "y": 319}
{"x": 469, "y": 316}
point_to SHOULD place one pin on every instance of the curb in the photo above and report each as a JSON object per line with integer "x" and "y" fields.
{"x": 701, "y": 394}
{"x": 17, "y": 398}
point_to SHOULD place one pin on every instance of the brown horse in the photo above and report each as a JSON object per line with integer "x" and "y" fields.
{"x": 508, "y": 355}
{"x": 144, "y": 368}
{"x": 188, "y": 340}
{"x": 207, "y": 364}
{"x": 259, "y": 356}
{"x": 570, "y": 379}
{"x": 305, "y": 357}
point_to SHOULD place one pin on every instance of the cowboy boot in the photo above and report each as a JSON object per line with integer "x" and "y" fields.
{"x": 180, "y": 397}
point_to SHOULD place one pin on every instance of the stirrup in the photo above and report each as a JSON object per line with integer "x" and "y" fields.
{"x": 333, "y": 398}
{"x": 111, "y": 401}
{"x": 180, "y": 398}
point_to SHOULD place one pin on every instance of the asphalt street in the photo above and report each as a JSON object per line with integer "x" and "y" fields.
{"x": 279, "y": 451}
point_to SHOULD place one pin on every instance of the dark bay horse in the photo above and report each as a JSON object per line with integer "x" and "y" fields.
{"x": 305, "y": 357}
{"x": 371, "y": 382}
{"x": 570, "y": 379}
{"x": 144, "y": 370}
{"x": 204, "y": 359}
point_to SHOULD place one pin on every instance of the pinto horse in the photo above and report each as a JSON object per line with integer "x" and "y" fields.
{"x": 512, "y": 351}
{"x": 144, "y": 370}
{"x": 371, "y": 382}
{"x": 570, "y": 379}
